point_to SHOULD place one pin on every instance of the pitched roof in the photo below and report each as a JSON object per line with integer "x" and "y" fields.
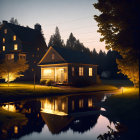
{"x": 30, "y": 38}
{"x": 74, "y": 56}
{"x": 25, "y": 34}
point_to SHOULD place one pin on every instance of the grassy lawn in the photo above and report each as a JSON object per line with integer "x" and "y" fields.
{"x": 124, "y": 105}
{"x": 22, "y": 90}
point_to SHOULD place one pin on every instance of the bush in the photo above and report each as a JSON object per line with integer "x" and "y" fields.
{"x": 50, "y": 82}
{"x": 43, "y": 82}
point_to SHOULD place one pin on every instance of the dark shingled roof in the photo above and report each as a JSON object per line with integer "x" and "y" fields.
{"x": 25, "y": 34}
{"x": 31, "y": 38}
{"x": 74, "y": 56}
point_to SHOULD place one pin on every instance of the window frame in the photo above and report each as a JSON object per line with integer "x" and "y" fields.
{"x": 15, "y": 46}
{"x": 81, "y": 71}
{"x": 90, "y": 71}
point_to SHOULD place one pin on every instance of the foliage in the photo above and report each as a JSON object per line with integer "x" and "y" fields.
{"x": 55, "y": 39}
{"x": 74, "y": 43}
{"x": 10, "y": 70}
{"x": 118, "y": 22}
{"x": 43, "y": 82}
{"x": 50, "y": 82}
{"x": 14, "y": 21}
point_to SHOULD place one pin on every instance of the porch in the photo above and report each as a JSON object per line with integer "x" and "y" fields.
{"x": 57, "y": 74}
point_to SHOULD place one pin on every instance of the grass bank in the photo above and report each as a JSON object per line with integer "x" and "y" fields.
{"x": 125, "y": 105}
{"x": 18, "y": 91}
{"x": 9, "y": 119}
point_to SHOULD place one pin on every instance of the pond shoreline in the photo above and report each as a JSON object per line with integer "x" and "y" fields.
{"x": 34, "y": 94}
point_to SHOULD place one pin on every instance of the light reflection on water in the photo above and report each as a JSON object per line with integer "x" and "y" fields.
{"x": 61, "y": 118}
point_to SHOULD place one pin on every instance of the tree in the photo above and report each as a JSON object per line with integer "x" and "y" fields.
{"x": 10, "y": 70}
{"x": 55, "y": 39}
{"x": 14, "y": 21}
{"x": 119, "y": 23}
{"x": 71, "y": 41}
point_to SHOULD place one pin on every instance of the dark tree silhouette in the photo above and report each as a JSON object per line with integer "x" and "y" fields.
{"x": 119, "y": 24}
{"x": 71, "y": 41}
{"x": 14, "y": 21}
{"x": 55, "y": 39}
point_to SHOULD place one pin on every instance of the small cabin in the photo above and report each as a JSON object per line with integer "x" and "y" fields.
{"x": 66, "y": 66}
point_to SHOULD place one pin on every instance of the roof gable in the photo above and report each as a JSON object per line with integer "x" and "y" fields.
{"x": 47, "y": 58}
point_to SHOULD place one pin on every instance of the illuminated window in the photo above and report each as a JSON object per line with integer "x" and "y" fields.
{"x": 47, "y": 72}
{"x": 15, "y": 129}
{"x": 81, "y": 71}
{"x": 14, "y": 37}
{"x": 5, "y": 31}
{"x": 72, "y": 71}
{"x": 15, "y": 46}
{"x": 53, "y": 56}
{"x": 63, "y": 106}
{"x": 90, "y": 104}
{"x": 3, "y": 48}
{"x": 72, "y": 103}
{"x": 81, "y": 103}
{"x": 3, "y": 40}
{"x": 10, "y": 56}
{"x": 22, "y": 56}
{"x": 90, "y": 71}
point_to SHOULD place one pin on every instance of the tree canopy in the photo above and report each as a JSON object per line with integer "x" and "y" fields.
{"x": 119, "y": 25}
{"x": 55, "y": 39}
{"x": 10, "y": 70}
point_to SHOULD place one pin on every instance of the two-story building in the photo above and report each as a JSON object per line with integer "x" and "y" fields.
{"x": 18, "y": 42}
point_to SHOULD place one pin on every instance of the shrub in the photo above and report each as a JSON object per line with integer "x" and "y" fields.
{"x": 50, "y": 82}
{"x": 43, "y": 82}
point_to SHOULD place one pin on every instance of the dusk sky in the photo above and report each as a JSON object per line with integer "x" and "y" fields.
{"x": 74, "y": 16}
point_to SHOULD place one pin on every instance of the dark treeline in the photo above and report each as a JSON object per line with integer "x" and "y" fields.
{"x": 107, "y": 67}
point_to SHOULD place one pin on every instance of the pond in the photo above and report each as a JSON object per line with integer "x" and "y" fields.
{"x": 67, "y": 117}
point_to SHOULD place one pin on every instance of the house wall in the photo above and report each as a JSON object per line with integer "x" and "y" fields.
{"x": 9, "y": 42}
{"x": 85, "y": 76}
{"x": 54, "y": 73}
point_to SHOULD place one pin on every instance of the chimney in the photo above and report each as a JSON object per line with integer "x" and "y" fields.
{"x": 37, "y": 27}
{"x": 4, "y": 21}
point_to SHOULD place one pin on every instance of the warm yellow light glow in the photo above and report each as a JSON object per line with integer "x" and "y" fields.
{"x": 15, "y": 46}
{"x": 5, "y": 31}
{"x": 90, "y": 104}
{"x": 14, "y": 37}
{"x": 12, "y": 77}
{"x": 3, "y": 48}
{"x": 15, "y": 129}
{"x": 81, "y": 71}
{"x": 90, "y": 71}
{"x": 3, "y": 40}
{"x": 47, "y": 71}
{"x": 11, "y": 108}
{"x": 81, "y": 103}
{"x": 63, "y": 106}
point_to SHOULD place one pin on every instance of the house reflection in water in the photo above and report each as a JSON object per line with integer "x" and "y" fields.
{"x": 78, "y": 112}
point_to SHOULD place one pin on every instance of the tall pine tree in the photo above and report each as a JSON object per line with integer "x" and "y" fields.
{"x": 55, "y": 39}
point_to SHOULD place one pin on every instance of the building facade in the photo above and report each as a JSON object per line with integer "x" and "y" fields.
{"x": 64, "y": 65}
{"x": 18, "y": 42}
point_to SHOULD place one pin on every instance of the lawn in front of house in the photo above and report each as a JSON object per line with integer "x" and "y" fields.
{"x": 125, "y": 105}
{"x": 23, "y": 90}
